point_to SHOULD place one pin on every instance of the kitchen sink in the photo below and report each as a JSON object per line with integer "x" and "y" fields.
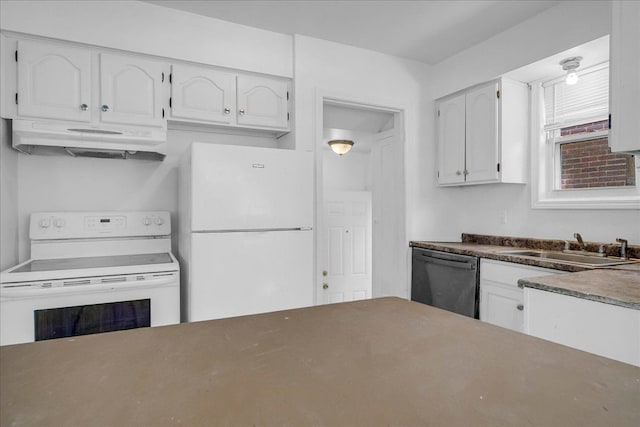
{"x": 590, "y": 260}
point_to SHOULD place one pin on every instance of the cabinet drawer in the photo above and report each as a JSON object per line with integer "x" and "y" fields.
{"x": 509, "y": 273}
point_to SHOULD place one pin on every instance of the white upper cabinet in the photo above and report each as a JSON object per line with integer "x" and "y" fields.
{"x": 131, "y": 90}
{"x": 54, "y": 82}
{"x": 208, "y": 96}
{"x": 451, "y": 139}
{"x": 202, "y": 94}
{"x": 625, "y": 77}
{"x": 262, "y": 102}
{"x": 482, "y": 134}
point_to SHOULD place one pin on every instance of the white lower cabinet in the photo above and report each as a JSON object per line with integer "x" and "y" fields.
{"x": 604, "y": 329}
{"x": 501, "y": 301}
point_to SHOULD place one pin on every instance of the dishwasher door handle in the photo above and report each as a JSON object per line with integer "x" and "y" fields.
{"x": 466, "y": 265}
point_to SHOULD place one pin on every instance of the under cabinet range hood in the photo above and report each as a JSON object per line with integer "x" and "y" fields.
{"x": 85, "y": 140}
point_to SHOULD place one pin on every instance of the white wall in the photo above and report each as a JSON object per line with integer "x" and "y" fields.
{"x": 155, "y": 30}
{"x": 445, "y": 213}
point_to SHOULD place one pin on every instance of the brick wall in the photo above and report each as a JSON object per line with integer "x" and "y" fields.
{"x": 589, "y": 164}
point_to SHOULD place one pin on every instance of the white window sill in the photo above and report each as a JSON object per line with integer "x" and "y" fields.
{"x": 588, "y": 199}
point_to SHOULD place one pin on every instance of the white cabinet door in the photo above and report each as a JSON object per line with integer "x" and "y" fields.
{"x": 54, "y": 82}
{"x": 625, "y": 70}
{"x": 203, "y": 94}
{"x": 501, "y": 300}
{"x": 262, "y": 102}
{"x": 131, "y": 90}
{"x": 502, "y": 306}
{"x": 482, "y": 134}
{"x": 451, "y": 140}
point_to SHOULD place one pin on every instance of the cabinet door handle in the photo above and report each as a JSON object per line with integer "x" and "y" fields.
{"x": 520, "y": 307}
{"x": 105, "y": 108}
{"x": 84, "y": 107}
{"x": 241, "y": 112}
{"x": 227, "y": 110}
{"x": 458, "y": 173}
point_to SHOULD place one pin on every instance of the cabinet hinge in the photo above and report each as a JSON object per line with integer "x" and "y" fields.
{"x": 287, "y": 116}
{"x": 16, "y": 55}
{"x": 438, "y": 174}
{"x": 498, "y": 94}
{"x": 162, "y": 77}
{"x": 170, "y": 102}
{"x": 163, "y": 113}
{"x": 287, "y": 95}
{"x": 498, "y": 167}
{"x": 170, "y": 77}
{"x": 16, "y": 97}
{"x": 438, "y": 113}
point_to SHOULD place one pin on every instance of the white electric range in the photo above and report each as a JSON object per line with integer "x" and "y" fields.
{"x": 91, "y": 272}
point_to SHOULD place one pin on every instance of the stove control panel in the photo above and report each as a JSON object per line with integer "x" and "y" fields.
{"x": 80, "y": 225}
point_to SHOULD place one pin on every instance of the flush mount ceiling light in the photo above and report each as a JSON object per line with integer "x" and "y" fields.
{"x": 340, "y": 146}
{"x": 570, "y": 65}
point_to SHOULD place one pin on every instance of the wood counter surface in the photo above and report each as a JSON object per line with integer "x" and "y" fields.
{"x": 386, "y": 361}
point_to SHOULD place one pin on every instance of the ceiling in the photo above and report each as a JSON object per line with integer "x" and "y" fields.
{"x": 426, "y": 31}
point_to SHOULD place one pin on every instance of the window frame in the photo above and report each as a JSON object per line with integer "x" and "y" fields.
{"x": 544, "y": 195}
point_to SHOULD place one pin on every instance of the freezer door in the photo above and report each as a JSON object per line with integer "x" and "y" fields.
{"x": 250, "y": 188}
{"x": 234, "y": 274}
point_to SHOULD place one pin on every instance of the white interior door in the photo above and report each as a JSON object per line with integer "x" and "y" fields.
{"x": 346, "y": 258}
{"x": 390, "y": 246}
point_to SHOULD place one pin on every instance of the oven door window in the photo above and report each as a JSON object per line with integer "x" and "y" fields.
{"x": 91, "y": 319}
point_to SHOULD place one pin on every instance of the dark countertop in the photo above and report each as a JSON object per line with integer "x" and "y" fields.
{"x": 617, "y": 285}
{"x": 385, "y": 362}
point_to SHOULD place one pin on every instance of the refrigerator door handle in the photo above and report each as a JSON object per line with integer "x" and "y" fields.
{"x": 254, "y": 230}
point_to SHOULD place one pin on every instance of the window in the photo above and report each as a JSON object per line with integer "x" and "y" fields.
{"x": 573, "y": 165}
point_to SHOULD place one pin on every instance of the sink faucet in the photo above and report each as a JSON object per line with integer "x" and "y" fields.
{"x": 623, "y": 247}
{"x": 581, "y": 242}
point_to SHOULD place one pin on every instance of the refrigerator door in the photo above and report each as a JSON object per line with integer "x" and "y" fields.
{"x": 241, "y": 273}
{"x": 250, "y": 188}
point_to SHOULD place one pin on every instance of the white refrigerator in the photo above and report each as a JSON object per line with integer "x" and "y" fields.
{"x": 245, "y": 230}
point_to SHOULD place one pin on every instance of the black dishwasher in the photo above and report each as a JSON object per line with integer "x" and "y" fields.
{"x": 445, "y": 280}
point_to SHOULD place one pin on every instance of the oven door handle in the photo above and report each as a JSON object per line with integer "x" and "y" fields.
{"x": 19, "y": 292}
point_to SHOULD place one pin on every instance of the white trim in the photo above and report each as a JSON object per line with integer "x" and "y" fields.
{"x": 323, "y": 96}
{"x": 543, "y": 196}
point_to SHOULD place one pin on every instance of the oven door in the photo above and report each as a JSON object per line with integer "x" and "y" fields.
{"x": 34, "y": 311}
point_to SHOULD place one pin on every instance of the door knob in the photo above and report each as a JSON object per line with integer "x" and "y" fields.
{"x": 324, "y": 272}
{"x": 458, "y": 173}
{"x": 520, "y": 307}
{"x": 227, "y": 110}
{"x": 105, "y": 108}
{"x": 84, "y": 107}
{"x": 241, "y": 112}
{"x": 325, "y": 286}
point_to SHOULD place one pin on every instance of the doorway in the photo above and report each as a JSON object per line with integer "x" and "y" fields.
{"x": 360, "y": 215}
